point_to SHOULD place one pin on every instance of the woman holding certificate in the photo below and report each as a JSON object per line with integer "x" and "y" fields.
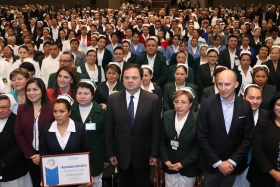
{"x": 63, "y": 136}
{"x": 93, "y": 116}
{"x": 32, "y": 116}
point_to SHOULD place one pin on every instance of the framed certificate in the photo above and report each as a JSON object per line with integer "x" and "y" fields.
{"x": 66, "y": 169}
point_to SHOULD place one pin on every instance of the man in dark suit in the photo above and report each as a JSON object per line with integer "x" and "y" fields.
{"x": 11, "y": 157}
{"x": 229, "y": 57}
{"x": 158, "y": 27}
{"x": 156, "y": 60}
{"x": 225, "y": 130}
{"x": 132, "y": 130}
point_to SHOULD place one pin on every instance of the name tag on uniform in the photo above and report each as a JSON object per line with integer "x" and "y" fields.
{"x": 90, "y": 126}
{"x": 174, "y": 144}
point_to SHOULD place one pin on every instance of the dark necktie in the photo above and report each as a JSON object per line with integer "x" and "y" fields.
{"x": 131, "y": 111}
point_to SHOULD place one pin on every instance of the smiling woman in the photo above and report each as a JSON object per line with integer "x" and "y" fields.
{"x": 30, "y": 120}
{"x": 65, "y": 82}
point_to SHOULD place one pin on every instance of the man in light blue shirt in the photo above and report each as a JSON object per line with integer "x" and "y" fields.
{"x": 225, "y": 130}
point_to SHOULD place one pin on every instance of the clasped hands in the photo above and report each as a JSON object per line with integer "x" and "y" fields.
{"x": 174, "y": 167}
{"x": 226, "y": 168}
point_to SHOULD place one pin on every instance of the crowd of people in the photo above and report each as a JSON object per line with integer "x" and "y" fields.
{"x": 195, "y": 90}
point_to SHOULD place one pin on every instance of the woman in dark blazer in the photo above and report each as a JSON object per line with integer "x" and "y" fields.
{"x": 257, "y": 41}
{"x": 179, "y": 149}
{"x": 266, "y": 147}
{"x": 112, "y": 85}
{"x": 62, "y": 127}
{"x": 274, "y": 67}
{"x": 260, "y": 77}
{"x": 243, "y": 71}
{"x": 149, "y": 86}
{"x": 180, "y": 59}
{"x": 180, "y": 75}
{"x": 127, "y": 55}
{"x": 90, "y": 69}
{"x": 253, "y": 94}
{"x": 103, "y": 55}
{"x": 205, "y": 72}
{"x": 36, "y": 112}
{"x": 87, "y": 111}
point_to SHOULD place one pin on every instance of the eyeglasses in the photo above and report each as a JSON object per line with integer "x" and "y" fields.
{"x": 182, "y": 103}
{"x": 4, "y": 107}
{"x": 64, "y": 61}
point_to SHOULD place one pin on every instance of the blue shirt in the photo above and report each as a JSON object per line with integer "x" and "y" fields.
{"x": 228, "y": 113}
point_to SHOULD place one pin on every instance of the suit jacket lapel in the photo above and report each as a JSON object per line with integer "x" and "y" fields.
{"x": 228, "y": 58}
{"x": 236, "y": 110}
{"x": 217, "y": 107}
{"x": 187, "y": 125}
{"x": 141, "y": 105}
{"x": 171, "y": 124}
{"x": 123, "y": 106}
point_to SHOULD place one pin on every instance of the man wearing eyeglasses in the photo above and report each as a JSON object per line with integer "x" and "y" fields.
{"x": 66, "y": 59}
{"x": 12, "y": 162}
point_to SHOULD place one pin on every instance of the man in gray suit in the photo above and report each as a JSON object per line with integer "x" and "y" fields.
{"x": 79, "y": 56}
{"x": 132, "y": 130}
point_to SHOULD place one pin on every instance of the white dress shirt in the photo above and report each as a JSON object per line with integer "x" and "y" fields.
{"x": 62, "y": 140}
{"x": 180, "y": 124}
{"x": 49, "y": 65}
{"x": 135, "y": 100}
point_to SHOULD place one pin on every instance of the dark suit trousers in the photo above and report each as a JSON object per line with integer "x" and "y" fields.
{"x": 132, "y": 177}
{"x": 34, "y": 172}
{"x": 218, "y": 180}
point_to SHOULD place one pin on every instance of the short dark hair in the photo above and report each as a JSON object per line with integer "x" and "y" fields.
{"x": 74, "y": 40}
{"x": 69, "y": 53}
{"x": 118, "y": 48}
{"x": 4, "y": 97}
{"x": 54, "y": 43}
{"x": 130, "y": 66}
{"x": 232, "y": 36}
{"x": 28, "y": 66}
{"x": 91, "y": 50}
{"x": 86, "y": 85}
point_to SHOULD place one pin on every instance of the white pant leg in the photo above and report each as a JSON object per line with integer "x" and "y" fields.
{"x": 186, "y": 181}
{"x": 171, "y": 180}
{"x": 24, "y": 181}
{"x": 97, "y": 181}
{"x": 241, "y": 180}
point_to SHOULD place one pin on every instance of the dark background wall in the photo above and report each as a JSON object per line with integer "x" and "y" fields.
{"x": 116, "y": 3}
{"x": 58, "y": 3}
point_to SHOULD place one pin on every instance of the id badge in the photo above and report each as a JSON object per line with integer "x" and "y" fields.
{"x": 5, "y": 81}
{"x": 90, "y": 126}
{"x": 174, "y": 144}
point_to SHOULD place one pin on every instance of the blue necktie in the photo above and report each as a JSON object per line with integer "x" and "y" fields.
{"x": 131, "y": 111}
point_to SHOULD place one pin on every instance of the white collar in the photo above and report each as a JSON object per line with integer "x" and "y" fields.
{"x": 151, "y": 87}
{"x": 136, "y": 95}
{"x": 71, "y": 126}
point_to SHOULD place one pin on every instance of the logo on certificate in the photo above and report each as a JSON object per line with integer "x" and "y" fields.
{"x": 51, "y": 170}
